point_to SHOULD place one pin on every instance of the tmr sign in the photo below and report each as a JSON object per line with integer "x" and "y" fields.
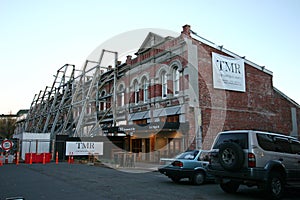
{"x": 228, "y": 73}
{"x": 84, "y": 148}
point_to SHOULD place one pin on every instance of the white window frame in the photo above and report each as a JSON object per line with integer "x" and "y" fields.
{"x": 145, "y": 90}
{"x": 176, "y": 83}
{"x": 164, "y": 84}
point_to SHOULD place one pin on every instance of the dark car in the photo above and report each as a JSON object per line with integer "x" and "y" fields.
{"x": 191, "y": 165}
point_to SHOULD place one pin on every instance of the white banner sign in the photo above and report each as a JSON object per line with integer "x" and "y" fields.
{"x": 228, "y": 73}
{"x": 84, "y": 148}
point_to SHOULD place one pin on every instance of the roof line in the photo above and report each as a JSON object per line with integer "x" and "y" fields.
{"x": 221, "y": 48}
{"x": 286, "y": 97}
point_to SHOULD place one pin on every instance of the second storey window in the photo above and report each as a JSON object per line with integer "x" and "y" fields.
{"x": 145, "y": 88}
{"x": 121, "y": 95}
{"x": 176, "y": 76}
{"x": 136, "y": 92}
{"x": 164, "y": 84}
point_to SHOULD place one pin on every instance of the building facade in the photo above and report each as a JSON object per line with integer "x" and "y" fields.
{"x": 174, "y": 94}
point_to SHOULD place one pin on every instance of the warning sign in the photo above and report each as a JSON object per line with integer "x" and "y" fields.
{"x": 6, "y": 145}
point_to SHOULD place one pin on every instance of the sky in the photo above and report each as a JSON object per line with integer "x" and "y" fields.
{"x": 38, "y": 37}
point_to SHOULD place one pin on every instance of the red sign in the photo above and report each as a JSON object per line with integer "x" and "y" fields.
{"x": 6, "y": 145}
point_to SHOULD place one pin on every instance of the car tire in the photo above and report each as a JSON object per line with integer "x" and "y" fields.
{"x": 175, "y": 179}
{"x": 230, "y": 187}
{"x": 198, "y": 178}
{"x": 275, "y": 186}
{"x": 231, "y": 156}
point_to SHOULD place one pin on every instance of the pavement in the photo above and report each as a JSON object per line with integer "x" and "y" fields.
{"x": 139, "y": 167}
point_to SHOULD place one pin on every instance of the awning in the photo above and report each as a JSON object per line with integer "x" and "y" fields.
{"x": 174, "y": 110}
{"x": 139, "y": 115}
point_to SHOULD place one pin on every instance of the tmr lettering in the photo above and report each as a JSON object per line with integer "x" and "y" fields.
{"x": 87, "y": 145}
{"x": 229, "y": 67}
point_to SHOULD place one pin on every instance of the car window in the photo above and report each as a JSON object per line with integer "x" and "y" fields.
{"x": 239, "y": 138}
{"x": 266, "y": 141}
{"x": 204, "y": 156}
{"x": 282, "y": 145}
{"x": 274, "y": 143}
{"x": 295, "y": 147}
{"x": 190, "y": 155}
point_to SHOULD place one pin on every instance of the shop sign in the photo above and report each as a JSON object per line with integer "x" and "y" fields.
{"x": 84, "y": 148}
{"x": 228, "y": 73}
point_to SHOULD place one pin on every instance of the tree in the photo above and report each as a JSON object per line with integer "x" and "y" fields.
{"x": 7, "y": 127}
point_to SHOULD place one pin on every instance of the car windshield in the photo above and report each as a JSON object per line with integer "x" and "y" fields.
{"x": 189, "y": 155}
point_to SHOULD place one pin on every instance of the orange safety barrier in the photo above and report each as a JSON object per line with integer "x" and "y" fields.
{"x": 37, "y": 158}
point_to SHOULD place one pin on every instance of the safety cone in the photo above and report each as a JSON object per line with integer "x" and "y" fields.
{"x": 69, "y": 160}
{"x": 1, "y": 158}
{"x": 30, "y": 160}
{"x": 44, "y": 158}
{"x": 17, "y": 158}
{"x": 56, "y": 158}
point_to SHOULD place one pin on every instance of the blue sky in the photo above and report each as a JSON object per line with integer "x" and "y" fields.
{"x": 38, "y": 37}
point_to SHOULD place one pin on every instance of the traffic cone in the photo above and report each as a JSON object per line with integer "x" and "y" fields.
{"x": 17, "y": 158}
{"x": 44, "y": 158}
{"x": 1, "y": 159}
{"x": 30, "y": 160}
{"x": 56, "y": 158}
{"x": 72, "y": 158}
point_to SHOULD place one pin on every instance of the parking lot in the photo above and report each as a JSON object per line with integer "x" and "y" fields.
{"x": 81, "y": 181}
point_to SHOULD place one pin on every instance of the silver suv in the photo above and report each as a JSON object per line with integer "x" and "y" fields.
{"x": 268, "y": 160}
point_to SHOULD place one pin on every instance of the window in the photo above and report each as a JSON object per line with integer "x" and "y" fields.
{"x": 145, "y": 88}
{"x": 136, "y": 92}
{"x": 121, "y": 95}
{"x": 295, "y": 145}
{"x": 176, "y": 76}
{"x": 164, "y": 84}
{"x": 240, "y": 138}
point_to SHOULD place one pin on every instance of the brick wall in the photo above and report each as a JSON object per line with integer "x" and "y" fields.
{"x": 260, "y": 107}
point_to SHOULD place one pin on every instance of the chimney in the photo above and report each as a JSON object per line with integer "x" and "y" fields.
{"x": 186, "y": 30}
{"x": 128, "y": 60}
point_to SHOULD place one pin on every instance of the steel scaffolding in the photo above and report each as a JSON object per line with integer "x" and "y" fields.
{"x": 73, "y": 105}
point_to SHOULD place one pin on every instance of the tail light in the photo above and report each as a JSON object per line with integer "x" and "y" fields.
{"x": 251, "y": 160}
{"x": 177, "y": 164}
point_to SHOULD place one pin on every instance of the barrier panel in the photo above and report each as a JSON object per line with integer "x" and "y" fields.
{"x": 38, "y": 157}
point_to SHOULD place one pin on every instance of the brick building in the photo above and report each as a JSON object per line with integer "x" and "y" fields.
{"x": 173, "y": 94}
{"x": 178, "y": 93}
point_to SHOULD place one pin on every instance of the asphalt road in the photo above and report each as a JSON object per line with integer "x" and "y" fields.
{"x": 79, "y": 181}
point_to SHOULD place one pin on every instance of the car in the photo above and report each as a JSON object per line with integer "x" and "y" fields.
{"x": 270, "y": 161}
{"x": 190, "y": 164}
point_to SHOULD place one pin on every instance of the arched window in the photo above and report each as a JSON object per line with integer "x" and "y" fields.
{"x": 121, "y": 95}
{"x": 145, "y": 90}
{"x": 136, "y": 92}
{"x": 164, "y": 85}
{"x": 176, "y": 83}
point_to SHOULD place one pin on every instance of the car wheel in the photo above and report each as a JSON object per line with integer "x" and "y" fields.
{"x": 275, "y": 186}
{"x": 175, "y": 179}
{"x": 198, "y": 178}
{"x": 231, "y": 156}
{"x": 230, "y": 187}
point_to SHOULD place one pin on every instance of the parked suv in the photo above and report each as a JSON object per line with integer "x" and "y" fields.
{"x": 268, "y": 160}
